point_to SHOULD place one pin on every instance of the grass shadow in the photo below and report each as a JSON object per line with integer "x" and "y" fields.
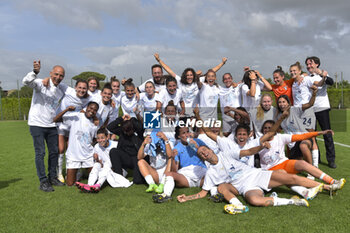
{"x": 4, "y": 184}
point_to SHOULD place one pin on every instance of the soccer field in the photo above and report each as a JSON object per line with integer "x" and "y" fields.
{"x": 24, "y": 208}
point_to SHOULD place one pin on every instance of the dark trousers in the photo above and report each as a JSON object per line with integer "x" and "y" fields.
{"x": 120, "y": 159}
{"x": 324, "y": 122}
{"x": 40, "y": 136}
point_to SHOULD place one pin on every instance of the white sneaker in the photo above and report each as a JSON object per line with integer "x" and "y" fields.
{"x": 60, "y": 178}
{"x": 312, "y": 192}
{"x": 235, "y": 209}
{"x": 338, "y": 184}
{"x": 300, "y": 202}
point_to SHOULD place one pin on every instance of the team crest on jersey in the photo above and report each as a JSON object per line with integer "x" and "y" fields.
{"x": 151, "y": 120}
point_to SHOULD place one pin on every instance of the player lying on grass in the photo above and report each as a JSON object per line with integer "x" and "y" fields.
{"x": 274, "y": 158}
{"x": 227, "y": 167}
{"x": 188, "y": 169}
{"x": 83, "y": 127}
{"x": 102, "y": 169}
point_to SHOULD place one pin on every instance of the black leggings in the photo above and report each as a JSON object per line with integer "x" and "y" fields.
{"x": 120, "y": 159}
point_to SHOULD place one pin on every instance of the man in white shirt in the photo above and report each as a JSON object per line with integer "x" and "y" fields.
{"x": 158, "y": 80}
{"x": 45, "y": 101}
{"x": 322, "y": 106}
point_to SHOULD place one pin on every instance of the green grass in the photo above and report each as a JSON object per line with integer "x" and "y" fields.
{"x": 26, "y": 209}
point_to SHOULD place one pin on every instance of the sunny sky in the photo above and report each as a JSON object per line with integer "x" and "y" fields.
{"x": 117, "y": 37}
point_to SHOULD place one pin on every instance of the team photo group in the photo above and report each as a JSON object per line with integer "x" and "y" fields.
{"x": 239, "y": 138}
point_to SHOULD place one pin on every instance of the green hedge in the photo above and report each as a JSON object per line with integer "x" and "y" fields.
{"x": 10, "y": 110}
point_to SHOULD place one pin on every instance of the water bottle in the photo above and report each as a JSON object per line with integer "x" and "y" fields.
{"x": 192, "y": 145}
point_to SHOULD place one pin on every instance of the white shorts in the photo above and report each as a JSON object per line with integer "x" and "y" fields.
{"x": 255, "y": 179}
{"x": 193, "y": 174}
{"x": 63, "y": 129}
{"x": 70, "y": 164}
{"x": 228, "y": 124}
{"x": 160, "y": 172}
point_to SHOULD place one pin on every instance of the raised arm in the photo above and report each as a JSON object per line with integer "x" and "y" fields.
{"x": 267, "y": 85}
{"x": 275, "y": 127}
{"x": 253, "y": 83}
{"x": 58, "y": 118}
{"x": 218, "y": 67}
{"x": 206, "y": 130}
{"x": 312, "y": 99}
{"x": 141, "y": 152}
{"x": 165, "y": 66}
{"x": 228, "y": 109}
{"x": 183, "y": 198}
{"x": 28, "y": 80}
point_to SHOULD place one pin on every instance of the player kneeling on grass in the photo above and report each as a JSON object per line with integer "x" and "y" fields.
{"x": 192, "y": 169}
{"x": 274, "y": 159}
{"x": 158, "y": 148}
{"x": 83, "y": 127}
{"x": 102, "y": 169}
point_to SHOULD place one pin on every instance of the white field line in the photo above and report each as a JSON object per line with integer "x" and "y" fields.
{"x": 336, "y": 143}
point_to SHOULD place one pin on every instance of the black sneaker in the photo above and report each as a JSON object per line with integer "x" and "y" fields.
{"x": 217, "y": 198}
{"x": 56, "y": 182}
{"x": 332, "y": 165}
{"x": 161, "y": 198}
{"x": 46, "y": 186}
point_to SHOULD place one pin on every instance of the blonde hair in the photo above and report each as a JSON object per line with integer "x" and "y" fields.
{"x": 260, "y": 110}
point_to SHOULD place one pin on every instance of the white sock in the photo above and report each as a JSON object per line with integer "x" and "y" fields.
{"x": 214, "y": 191}
{"x": 162, "y": 180}
{"x": 60, "y": 164}
{"x": 169, "y": 185}
{"x": 315, "y": 158}
{"x": 149, "y": 179}
{"x": 282, "y": 201}
{"x": 235, "y": 201}
{"x": 300, "y": 190}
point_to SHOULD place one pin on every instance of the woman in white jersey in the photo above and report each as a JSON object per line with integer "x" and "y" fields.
{"x": 171, "y": 93}
{"x": 83, "y": 127}
{"x": 79, "y": 98}
{"x": 147, "y": 102}
{"x": 102, "y": 169}
{"x": 116, "y": 96}
{"x": 209, "y": 96}
{"x": 230, "y": 95}
{"x": 254, "y": 83}
{"x": 187, "y": 83}
{"x": 129, "y": 101}
{"x": 94, "y": 86}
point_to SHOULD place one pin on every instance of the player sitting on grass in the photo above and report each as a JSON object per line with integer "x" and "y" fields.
{"x": 83, "y": 127}
{"x": 274, "y": 158}
{"x": 157, "y": 147}
{"x": 192, "y": 169}
{"x": 101, "y": 170}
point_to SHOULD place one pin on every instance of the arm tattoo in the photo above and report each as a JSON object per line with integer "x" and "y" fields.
{"x": 195, "y": 196}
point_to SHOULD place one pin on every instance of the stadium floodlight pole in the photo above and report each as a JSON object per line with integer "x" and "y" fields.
{"x": 19, "y": 101}
{"x": 0, "y": 101}
{"x": 342, "y": 91}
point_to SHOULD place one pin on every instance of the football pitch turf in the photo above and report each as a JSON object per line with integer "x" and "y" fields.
{"x": 24, "y": 208}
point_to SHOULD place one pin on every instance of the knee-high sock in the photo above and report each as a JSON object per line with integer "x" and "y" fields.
{"x": 315, "y": 158}
{"x": 60, "y": 164}
{"x": 282, "y": 201}
{"x": 300, "y": 190}
{"x": 169, "y": 185}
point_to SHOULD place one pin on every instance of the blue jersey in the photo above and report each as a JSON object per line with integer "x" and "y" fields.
{"x": 187, "y": 155}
